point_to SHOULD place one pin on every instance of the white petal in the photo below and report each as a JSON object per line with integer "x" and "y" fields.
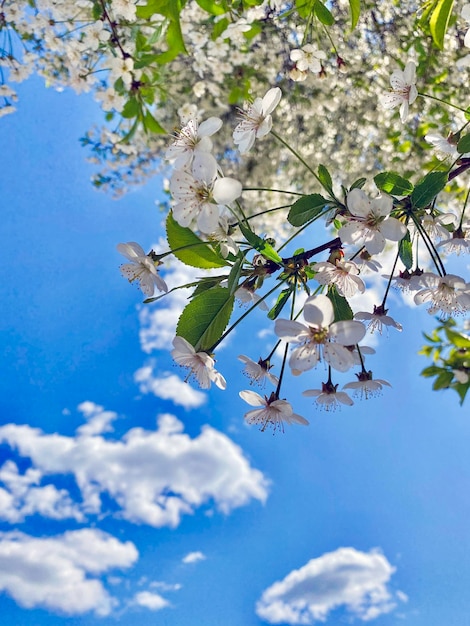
{"x": 130, "y": 250}
{"x": 392, "y": 229}
{"x": 347, "y": 332}
{"x": 226, "y": 190}
{"x": 290, "y": 330}
{"x": 205, "y": 168}
{"x": 271, "y": 100}
{"x": 252, "y": 398}
{"x": 409, "y": 74}
{"x": 339, "y": 357}
{"x": 210, "y": 126}
{"x": 183, "y": 346}
{"x": 318, "y": 311}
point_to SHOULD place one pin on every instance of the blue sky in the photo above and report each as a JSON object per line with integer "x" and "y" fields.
{"x": 107, "y": 518}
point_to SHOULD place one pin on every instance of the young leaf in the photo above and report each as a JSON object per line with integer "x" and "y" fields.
{"x": 393, "y": 183}
{"x": 197, "y": 253}
{"x": 428, "y": 188}
{"x": 235, "y": 273}
{"x": 306, "y": 208}
{"x": 205, "y": 318}
{"x": 280, "y": 302}
{"x": 443, "y": 380}
{"x": 405, "y": 250}
{"x": 323, "y": 14}
{"x": 325, "y": 179}
{"x": 152, "y": 124}
{"x": 439, "y": 21}
{"x": 355, "y": 6}
{"x": 259, "y": 244}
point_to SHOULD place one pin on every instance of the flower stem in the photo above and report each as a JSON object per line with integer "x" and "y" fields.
{"x": 454, "y": 106}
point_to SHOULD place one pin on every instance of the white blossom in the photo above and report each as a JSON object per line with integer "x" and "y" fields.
{"x": 274, "y": 412}
{"x": 191, "y": 140}
{"x": 449, "y": 294}
{"x": 404, "y": 90}
{"x": 328, "y": 397}
{"x": 308, "y": 58}
{"x": 320, "y": 337}
{"x": 378, "y": 319}
{"x": 366, "y": 386}
{"x": 256, "y": 120}
{"x": 201, "y": 364}
{"x": 141, "y": 268}
{"x": 258, "y": 372}
{"x": 343, "y": 274}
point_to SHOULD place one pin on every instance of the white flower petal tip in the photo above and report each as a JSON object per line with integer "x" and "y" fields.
{"x": 256, "y": 121}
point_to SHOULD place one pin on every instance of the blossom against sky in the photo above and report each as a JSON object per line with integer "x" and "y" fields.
{"x": 378, "y": 490}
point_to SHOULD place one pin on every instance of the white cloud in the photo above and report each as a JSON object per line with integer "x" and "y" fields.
{"x": 194, "y": 557}
{"x": 22, "y": 496}
{"x": 345, "y": 578}
{"x": 57, "y": 573}
{"x": 158, "y": 325}
{"x": 155, "y": 477}
{"x": 150, "y": 600}
{"x": 168, "y": 387}
{"x": 99, "y": 420}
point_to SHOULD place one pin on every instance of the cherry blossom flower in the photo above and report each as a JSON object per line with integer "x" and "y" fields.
{"x": 449, "y": 294}
{"x": 222, "y": 236}
{"x": 365, "y": 386}
{"x": 201, "y": 364}
{"x": 465, "y": 13}
{"x": 191, "y": 140}
{"x": 458, "y": 243}
{"x": 328, "y": 397}
{"x": 378, "y": 319}
{"x": 435, "y": 226}
{"x": 404, "y": 90}
{"x": 369, "y": 224}
{"x": 141, "y": 268}
{"x": 198, "y": 194}
{"x": 445, "y": 148}
{"x": 249, "y": 296}
{"x": 274, "y": 412}
{"x": 256, "y": 120}
{"x": 321, "y": 337}
{"x": 308, "y": 58}
{"x": 343, "y": 274}
{"x": 258, "y": 372}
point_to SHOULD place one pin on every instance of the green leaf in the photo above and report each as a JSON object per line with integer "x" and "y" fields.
{"x": 235, "y": 273}
{"x": 211, "y": 6}
{"x": 432, "y": 370}
{"x": 323, "y": 14}
{"x": 152, "y": 124}
{"x": 260, "y": 244}
{"x": 325, "y": 179}
{"x": 428, "y": 188}
{"x": 198, "y": 253}
{"x": 393, "y": 183}
{"x": 405, "y": 250}
{"x": 358, "y": 184}
{"x": 456, "y": 339}
{"x": 443, "y": 380}
{"x": 341, "y": 306}
{"x": 306, "y": 208}
{"x": 355, "y": 6}
{"x": 464, "y": 144}
{"x": 280, "y": 302}
{"x": 439, "y": 21}
{"x": 205, "y": 318}
{"x": 131, "y": 109}
{"x": 304, "y": 7}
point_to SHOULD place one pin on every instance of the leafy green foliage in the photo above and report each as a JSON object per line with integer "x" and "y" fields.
{"x": 205, "y": 318}
{"x": 282, "y": 299}
{"x": 355, "y": 6}
{"x": 306, "y": 208}
{"x": 439, "y": 21}
{"x": 260, "y": 244}
{"x": 464, "y": 144}
{"x": 323, "y": 13}
{"x": 451, "y": 356}
{"x": 188, "y": 248}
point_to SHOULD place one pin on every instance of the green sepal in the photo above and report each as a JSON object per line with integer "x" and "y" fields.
{"x": 280, "y": 302}
{"x": 205, "y": 318}
{"x": 393, "y": 183}
{"x": 198, "y": 253}
{"x": 306, "y": 208}
{"x": 428, "y": 188}
{"x": 405, "y": 250}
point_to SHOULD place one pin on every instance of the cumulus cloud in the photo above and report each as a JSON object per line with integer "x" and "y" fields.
{"x": 98, "y": 420}
{"x": 158, "y": 326}
{"x": 345, "y": 578}
{"x": 60, "y": 573}
{"x": 154, "y": 476}
{"x": 21, "y": 495}
{"x": 168, "y": 387}
{"x": 150, "y": 600}
{"x": 194, "y": 557}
